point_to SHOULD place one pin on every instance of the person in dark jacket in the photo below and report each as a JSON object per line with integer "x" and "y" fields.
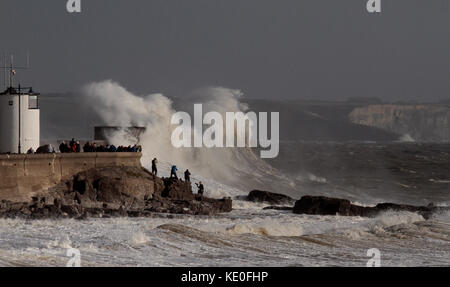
{"x": 201, "y": 188}
{"x": 87, "y": 147}
{"x": 63, "y": 147}
{"x": 187, "y": 175}
{"x": 154, "y": 168}
{"x": 100, "y": 148}
{"x": 173, "y": 172}
{"x": 73, "y": 145}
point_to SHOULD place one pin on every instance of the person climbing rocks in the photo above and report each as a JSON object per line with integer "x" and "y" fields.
{"x": 173, "y": 172}
{"x": 154, "y": 168}
{"x": 201, "y": 188}
{"x": 187, "y": 176}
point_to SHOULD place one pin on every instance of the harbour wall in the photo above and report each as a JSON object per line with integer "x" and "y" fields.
{"x": 25, "y": 176}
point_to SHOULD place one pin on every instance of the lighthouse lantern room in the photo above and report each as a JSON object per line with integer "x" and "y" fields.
{"x": 19, "y": 116}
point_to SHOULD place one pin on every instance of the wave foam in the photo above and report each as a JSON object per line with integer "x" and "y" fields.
{"x": 139, "y": 238}
{"x": 266, "y": 229}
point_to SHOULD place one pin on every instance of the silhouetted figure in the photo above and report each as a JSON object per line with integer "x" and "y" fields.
{"x": 100, "y": 148}
{"x": 30, "y": 151}
{"x": 187, "y": 175}
{"x": 173, "y": 172}
{"x": 87, "y": 147}
{"x": 73, "y": 145}
{"x": 63, "y": 147}
{"x": 201, "y": 188}
{"x": 154, "y": 168}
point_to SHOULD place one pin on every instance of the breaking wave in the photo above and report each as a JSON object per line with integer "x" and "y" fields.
{"x": 116, "y": 106}
{"x": 235, "y": 171}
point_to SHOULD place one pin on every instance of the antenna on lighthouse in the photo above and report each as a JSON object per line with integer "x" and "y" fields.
{"x": 13, "y": 69}
{"x": 4, "y": 62}
{"x": 5, "y": 57}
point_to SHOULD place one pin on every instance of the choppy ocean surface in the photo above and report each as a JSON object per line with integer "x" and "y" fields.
{"x": 245, "y": 237}
{"x": 249, "y": 235}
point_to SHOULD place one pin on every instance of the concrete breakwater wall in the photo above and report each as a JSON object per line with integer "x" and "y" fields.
{"x": 24, "y": 176}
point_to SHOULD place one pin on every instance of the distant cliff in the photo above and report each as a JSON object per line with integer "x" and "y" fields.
{"x": 320, "y": 121}
{"x": 425, "y": 122}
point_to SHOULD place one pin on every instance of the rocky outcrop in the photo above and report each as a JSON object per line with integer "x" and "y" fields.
{"x": 320, "y": 205}
{"x": 176, "y": 189}
{"x": 269, "y": 197}
{"x": 115, "y": 191}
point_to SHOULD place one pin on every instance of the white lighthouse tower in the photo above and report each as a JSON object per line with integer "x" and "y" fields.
{"x": 19, "y": 116}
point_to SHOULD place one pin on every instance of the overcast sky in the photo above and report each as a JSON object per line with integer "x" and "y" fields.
{"x": 299, "y": 49}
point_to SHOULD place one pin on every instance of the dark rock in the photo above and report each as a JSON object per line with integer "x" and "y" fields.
{"x": 425, "y": 211}
{"x": 72, "y": 210}
{"x": 278, "y": 208}
{"x": 177, "y": 189}
{"x": 320, "y": 205}
{"x": 269, "y": 197}
{"x": 402, "y": 207}
{"x": 116, "y": 191}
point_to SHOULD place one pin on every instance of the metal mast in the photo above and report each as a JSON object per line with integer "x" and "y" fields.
{"x": 12, "y": 69}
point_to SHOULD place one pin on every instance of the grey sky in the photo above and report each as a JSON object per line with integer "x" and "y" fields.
{"x": 316, "y": 49}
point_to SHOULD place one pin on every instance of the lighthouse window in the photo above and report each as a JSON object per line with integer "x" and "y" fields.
{"x": 33, "y": 102}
